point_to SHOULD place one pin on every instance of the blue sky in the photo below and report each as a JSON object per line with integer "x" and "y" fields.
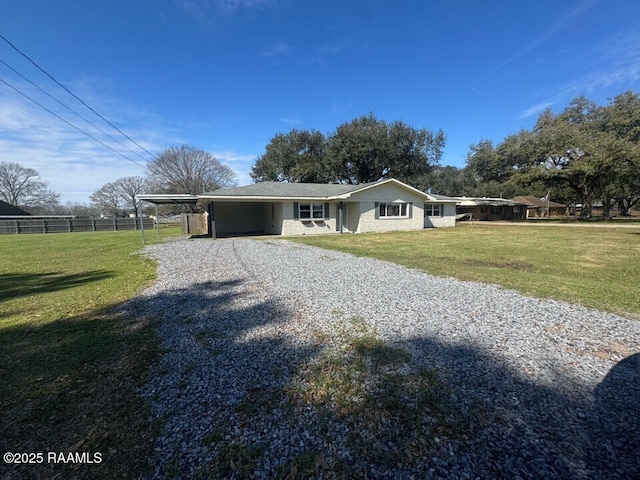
{"x": 226, "y": 75}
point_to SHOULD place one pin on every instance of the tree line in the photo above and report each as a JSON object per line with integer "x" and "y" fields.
{"x": 586, "y": 154}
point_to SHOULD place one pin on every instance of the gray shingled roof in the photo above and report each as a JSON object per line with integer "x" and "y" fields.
{"x": 284, "y": 189}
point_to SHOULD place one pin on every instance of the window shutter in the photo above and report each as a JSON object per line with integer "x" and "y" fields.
{"x": 442, "y": 210}
{"x": 410, "y": 209}
{"x": 296, "y": 210}
{"x": 326, "y": 211}
{"x": 377, "y": 207}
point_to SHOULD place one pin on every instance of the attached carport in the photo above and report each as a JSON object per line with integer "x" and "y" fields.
{"x": 164, "y": 199}
{"x": 237, "y": 217}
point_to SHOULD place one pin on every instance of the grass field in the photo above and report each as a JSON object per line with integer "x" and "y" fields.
{"x": 69, "y": 365}
{"x": 595, "y": 267}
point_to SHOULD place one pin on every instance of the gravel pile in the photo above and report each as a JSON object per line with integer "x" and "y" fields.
{"x": 518, "y": 387}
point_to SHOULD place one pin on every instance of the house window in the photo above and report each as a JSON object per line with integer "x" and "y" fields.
{"x": 305, "y": 210}
{"x": 392, "y": 210}
{"x": 496, "y": 211}
{"x": 311, "y": 211}
{"x": 433, "y": 210}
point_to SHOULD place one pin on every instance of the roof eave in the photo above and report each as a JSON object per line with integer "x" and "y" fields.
{"x": 382, "y": 182}
{"x": 261, "y": 198}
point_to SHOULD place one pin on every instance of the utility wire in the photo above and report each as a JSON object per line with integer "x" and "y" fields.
{"x": 74, "y": 95}
{"x": 69, "y": 123}
{"x": 70, "y": 109}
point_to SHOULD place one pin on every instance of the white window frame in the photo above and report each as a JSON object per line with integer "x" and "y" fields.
{"x": 385, "y": 208}
{"x": 311, "y": 212}
{"x": 430, "y": 209}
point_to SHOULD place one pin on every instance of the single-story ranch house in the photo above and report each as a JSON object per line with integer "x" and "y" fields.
{"x": 281, "y": 208}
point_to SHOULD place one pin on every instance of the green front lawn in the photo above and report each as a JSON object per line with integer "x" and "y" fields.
{"x": 595, "y": 267}
{"x": 69, "y": 365}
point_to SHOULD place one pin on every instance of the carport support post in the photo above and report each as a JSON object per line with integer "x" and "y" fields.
{"x": 157, "y": 222}
{"x": 211, "y": 220}
{"x": 141, "y": 222}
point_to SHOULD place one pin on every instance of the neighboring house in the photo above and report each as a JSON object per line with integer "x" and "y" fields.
{"x": 8, "y": 210}
{"x": 281, "y": 208}
{"x": 537, "y": 208}
{"x": 486, "y": 208}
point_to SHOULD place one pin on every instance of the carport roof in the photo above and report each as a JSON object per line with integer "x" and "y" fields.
{"x": 168, "y": 198}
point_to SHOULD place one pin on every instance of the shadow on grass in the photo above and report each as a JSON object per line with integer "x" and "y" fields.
{"x": 69, "y": 386}
{"x": 15, "y": 285}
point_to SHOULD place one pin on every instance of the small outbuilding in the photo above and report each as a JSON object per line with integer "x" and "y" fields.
{"x": 487, "y": 208}
{"x": 541, "y": 208}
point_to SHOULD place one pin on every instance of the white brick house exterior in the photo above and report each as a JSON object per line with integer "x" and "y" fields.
{"x": 287, "y": 209}
{"x": 280, "y": 208}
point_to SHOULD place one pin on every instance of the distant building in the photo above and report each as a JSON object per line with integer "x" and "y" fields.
{"x": 486, "y": 208}
{"x": 537, "y": 208}
{"x": 8, "y": 210}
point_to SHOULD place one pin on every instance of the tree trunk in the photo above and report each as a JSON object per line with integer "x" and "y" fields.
{"x": 585, "y": 211}
{"x": 606, "y": 207}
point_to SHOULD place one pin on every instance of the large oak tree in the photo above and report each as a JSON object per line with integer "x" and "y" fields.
{"x": 365, "y": 149}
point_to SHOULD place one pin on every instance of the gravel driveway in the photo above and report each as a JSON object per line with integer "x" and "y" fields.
{"x": 287, "y": 361}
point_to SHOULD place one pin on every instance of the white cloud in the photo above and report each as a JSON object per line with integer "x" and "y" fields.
{"x": 615, "y": 62}
{"x": 555, "y": 28}
{"x": 205, "y": 10}
{"x": 240, "y": 164}
{"x": 613, "y": 67}
{"x": 291, "y": 120}
{"x": 73, "y": 164}
{"x": 276, "y": 50}
{"x": 535, "y": 110}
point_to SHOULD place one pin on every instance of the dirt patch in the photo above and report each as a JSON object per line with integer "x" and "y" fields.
{"x": 614, "y": 351}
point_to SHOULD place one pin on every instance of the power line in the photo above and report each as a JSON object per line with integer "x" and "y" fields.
{"x": 70, "y": 109}
{"x": 69, "y": 123}
{"x": 74, "y": 95}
